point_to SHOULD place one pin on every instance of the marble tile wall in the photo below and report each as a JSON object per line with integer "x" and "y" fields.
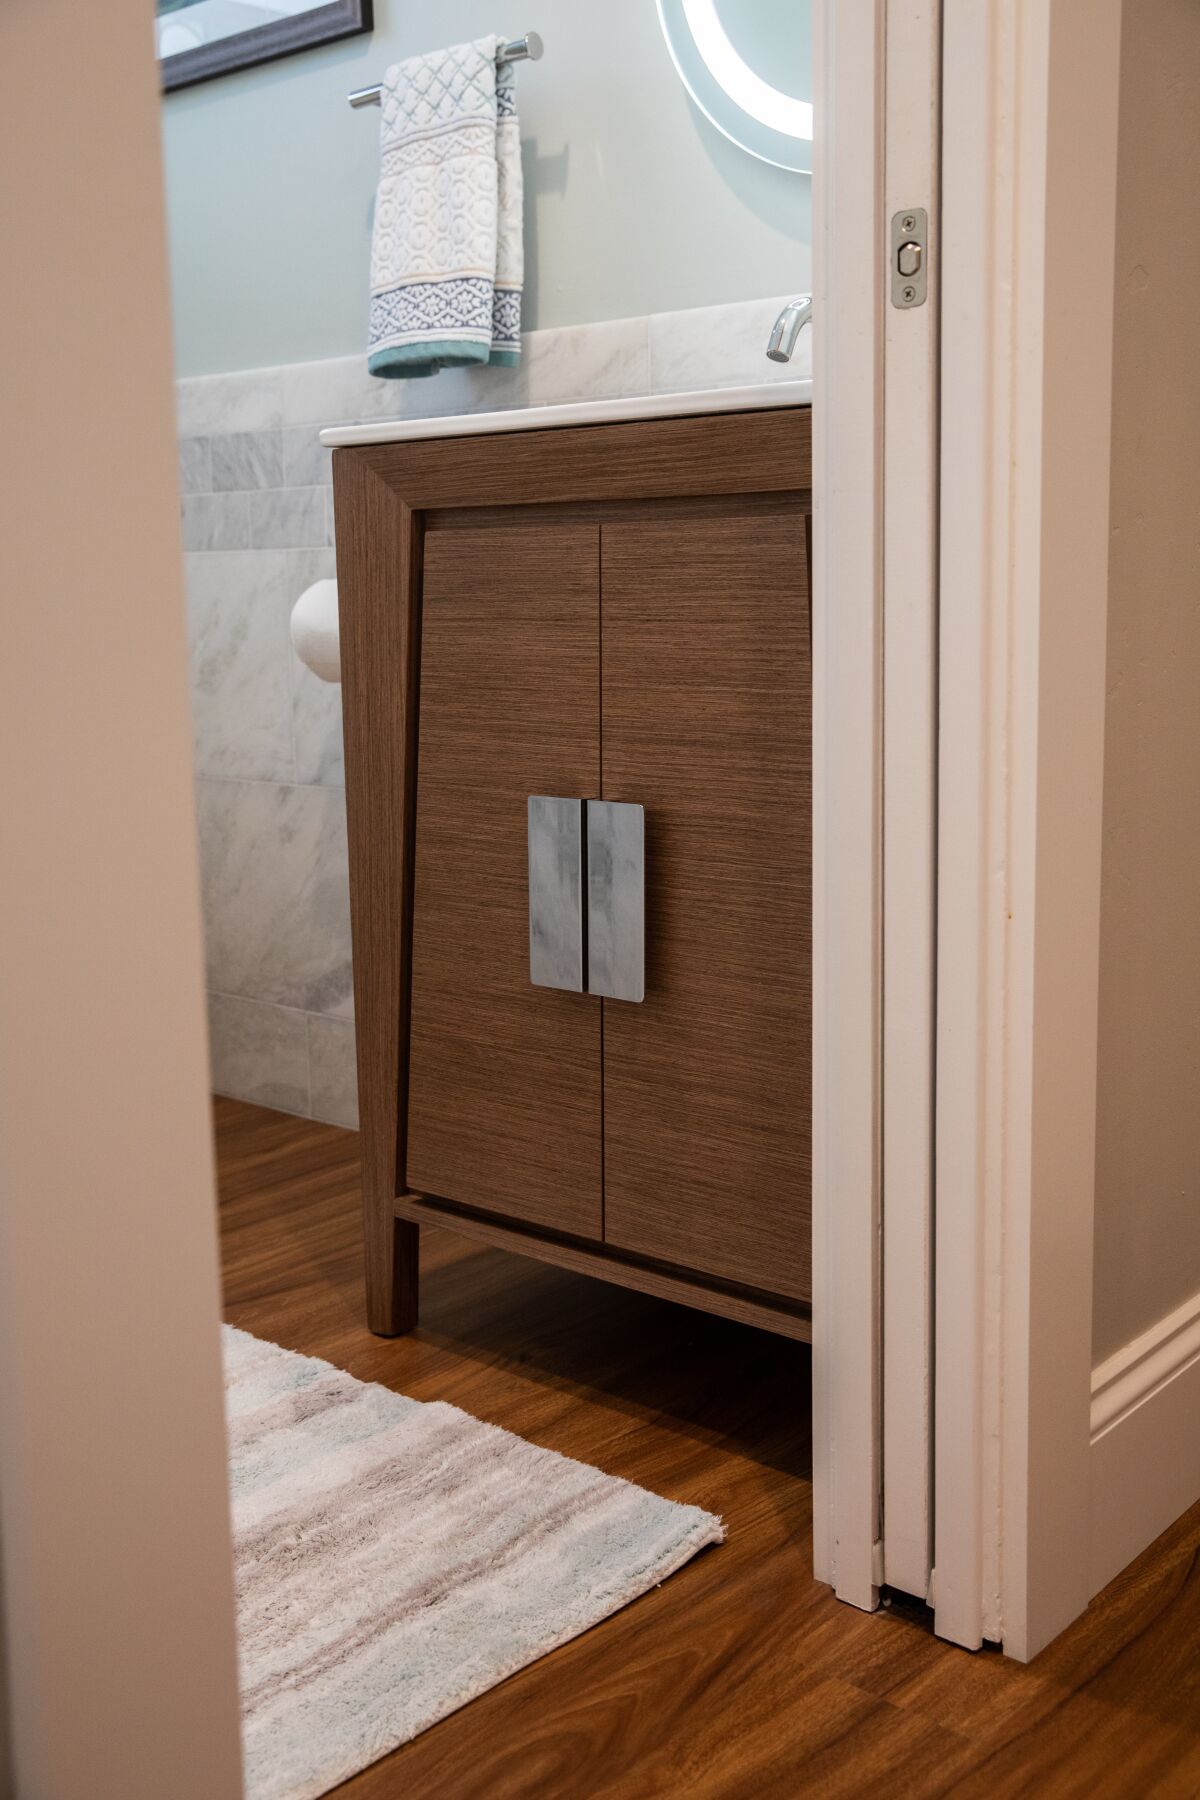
{"x": 257, "y": 518}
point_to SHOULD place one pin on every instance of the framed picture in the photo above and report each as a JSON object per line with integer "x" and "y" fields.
{"x": 198, "y": 39}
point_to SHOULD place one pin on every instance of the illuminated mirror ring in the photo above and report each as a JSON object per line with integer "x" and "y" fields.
{"x": 741, "y": 103}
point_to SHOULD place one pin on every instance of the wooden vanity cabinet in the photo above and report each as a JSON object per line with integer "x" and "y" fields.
{"x": 504, "y": 1078}
{"x": 614, "y": 612}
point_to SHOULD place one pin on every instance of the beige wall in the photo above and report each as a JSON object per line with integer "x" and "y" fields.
{"x": 114, "y": 1524}
{"x": 1147, "y": 1254}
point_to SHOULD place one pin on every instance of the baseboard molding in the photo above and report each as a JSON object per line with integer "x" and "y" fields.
{"x": 1145, "y": 1439}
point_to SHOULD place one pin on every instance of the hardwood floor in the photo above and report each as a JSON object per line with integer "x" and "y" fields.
{"x": 740, "y": 1677}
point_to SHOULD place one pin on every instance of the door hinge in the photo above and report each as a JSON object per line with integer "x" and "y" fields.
{"x": 910, "y": 257}
{"x": 877, "y": 1562}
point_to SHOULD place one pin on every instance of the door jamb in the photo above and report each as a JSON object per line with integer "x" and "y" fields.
{"x": 848, "y": 45}
{"x": 909, "y": 802}
{"x": 1028, "y": 219}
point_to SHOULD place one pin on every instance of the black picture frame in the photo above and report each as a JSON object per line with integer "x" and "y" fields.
{"x": 267, "y": 43}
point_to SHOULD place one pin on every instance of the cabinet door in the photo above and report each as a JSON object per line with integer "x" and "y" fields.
{"x": 504, "y": 1077}
{"x": 707, "y": 722}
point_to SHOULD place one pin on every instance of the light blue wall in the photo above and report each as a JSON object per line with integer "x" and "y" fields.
{"x": 634, "y": 202}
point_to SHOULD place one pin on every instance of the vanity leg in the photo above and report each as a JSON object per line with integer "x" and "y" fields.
{"x": 392, "y": 1258}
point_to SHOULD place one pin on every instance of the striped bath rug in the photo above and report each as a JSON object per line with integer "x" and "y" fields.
{"x": 395, "y": 1559}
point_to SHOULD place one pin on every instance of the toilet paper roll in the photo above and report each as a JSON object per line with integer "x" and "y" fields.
{"x": 315, "y": 630}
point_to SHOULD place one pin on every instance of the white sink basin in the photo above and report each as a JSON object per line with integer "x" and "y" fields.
{"x": 578, "y": 412}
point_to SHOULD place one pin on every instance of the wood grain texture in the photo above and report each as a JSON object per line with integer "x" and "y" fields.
{"x": 504, "y": 1103}
{"x": 379, "y": 573}
{"x": 707, "y": 723}
{"x": 719, "y": 453}
{"x": 669, "y": 1283}
{"x": 600, "y": 512}
{"x": 383, "y": 494}
{"x": 740, "y": 1678}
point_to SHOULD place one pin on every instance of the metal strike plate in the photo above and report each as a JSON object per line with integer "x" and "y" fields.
{"x": 910, "y": 257}
{"x": 556, "y": 892}
{"x": 616, "y": 899}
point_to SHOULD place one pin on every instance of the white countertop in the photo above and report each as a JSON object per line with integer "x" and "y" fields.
{"x": 577, "y": 412}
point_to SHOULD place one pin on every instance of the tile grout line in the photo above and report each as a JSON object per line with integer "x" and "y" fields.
{"x": 302, "y": 1012}
{"x": 318, "y": 787}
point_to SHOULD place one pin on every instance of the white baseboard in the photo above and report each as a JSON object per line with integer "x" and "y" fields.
{"x": 1145, "y": 1439}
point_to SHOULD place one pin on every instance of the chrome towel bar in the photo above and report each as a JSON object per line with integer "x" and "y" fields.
{"x": 523, "y": 49}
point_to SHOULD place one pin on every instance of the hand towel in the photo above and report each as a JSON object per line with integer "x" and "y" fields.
{"x": 446, "y": 253}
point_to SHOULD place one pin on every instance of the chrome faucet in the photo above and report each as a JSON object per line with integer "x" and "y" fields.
{"x": 786, "y": 328}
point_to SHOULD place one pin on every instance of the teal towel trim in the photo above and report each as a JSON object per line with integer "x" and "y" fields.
{"x": 410, "y": 362}
{"x": 426, "y": 358}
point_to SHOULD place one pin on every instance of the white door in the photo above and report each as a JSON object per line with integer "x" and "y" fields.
{"x": 874, "y": 644}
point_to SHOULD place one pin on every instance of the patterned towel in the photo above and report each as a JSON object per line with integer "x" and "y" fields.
{"x": 446, "y": 257}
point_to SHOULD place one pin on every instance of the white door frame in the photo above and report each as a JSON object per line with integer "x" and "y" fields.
{"x": 874, "y": 641}
{"x": 1029, "y": 194}
{"x": 912, "y": 148}
{"x": 1026, "y": 264}
{"x": 847, "y": 725}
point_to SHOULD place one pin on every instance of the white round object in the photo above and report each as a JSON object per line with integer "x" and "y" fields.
{"x": 315, "y": 630}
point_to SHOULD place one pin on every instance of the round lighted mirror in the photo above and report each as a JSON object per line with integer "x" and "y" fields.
{"x": 747, "y": 65}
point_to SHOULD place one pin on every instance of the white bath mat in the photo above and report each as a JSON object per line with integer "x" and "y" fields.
{"x": 395, "y": 1559}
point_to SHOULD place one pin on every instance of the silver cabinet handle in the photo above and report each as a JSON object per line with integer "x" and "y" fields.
{"x": 616, "y": 899}
{"x": 597, "y": 947}
{"x": 556, "y": 893}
